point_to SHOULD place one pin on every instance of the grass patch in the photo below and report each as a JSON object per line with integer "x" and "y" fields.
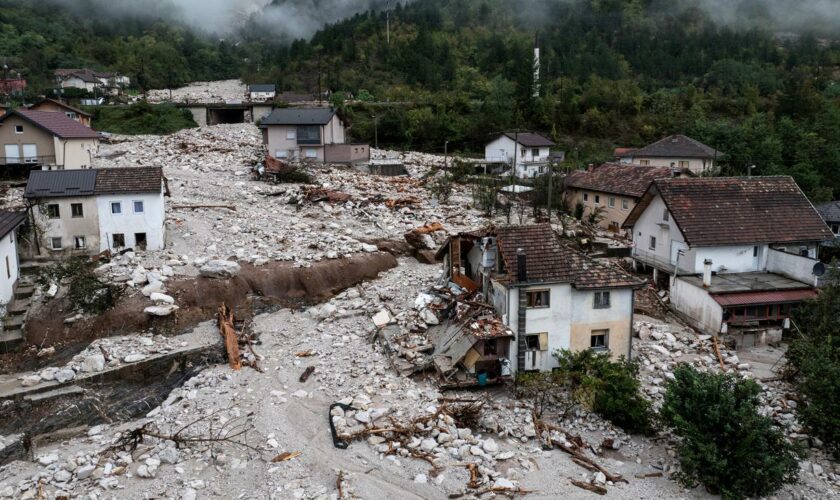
{"x": 142, "y": 118}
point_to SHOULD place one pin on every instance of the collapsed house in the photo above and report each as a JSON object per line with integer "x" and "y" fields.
{"x": 739, "y": 252}
{"x": 545, "y": 296}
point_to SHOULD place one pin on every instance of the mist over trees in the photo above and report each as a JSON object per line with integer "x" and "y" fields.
{"x": 613, "y": 73}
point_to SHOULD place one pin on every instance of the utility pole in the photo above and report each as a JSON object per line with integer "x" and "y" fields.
{"x": 749, "y": 170}
{"x": 319, "y": 78}
{"x": 376, "y": 131}
{"x": 388, "y": 27}
{"x": 550, "y": 190}
{"x": 445, "y": 155}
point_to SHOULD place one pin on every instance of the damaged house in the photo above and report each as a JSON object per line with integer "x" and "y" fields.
{"x": 739, "y": 252}
{"x": 310, "y": 134}
{"x": 547, "y": 295}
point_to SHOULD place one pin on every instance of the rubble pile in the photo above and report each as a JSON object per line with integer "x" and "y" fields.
{"x": 209, "y": 92}
{"x": 105, "y": 353}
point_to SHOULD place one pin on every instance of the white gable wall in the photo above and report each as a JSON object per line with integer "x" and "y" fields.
{"x": 150, "y": 221}
{"x": 8, "y": 267}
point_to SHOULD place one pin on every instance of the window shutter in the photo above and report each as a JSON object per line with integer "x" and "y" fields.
{"x": 544, "y": 341}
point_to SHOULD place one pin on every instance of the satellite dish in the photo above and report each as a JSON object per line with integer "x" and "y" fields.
{"x": 819, "y": 269}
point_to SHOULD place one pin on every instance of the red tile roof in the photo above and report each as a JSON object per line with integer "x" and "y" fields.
{"x": 615, "y": 178}
{"x": 55, "y": 123}
{"x": 129, "y": 180}
{"x": 674, "y": 146}
{"x": 713, "y": 211}
{"x": 549, "y": 261}
{"x": 775, "y": 297}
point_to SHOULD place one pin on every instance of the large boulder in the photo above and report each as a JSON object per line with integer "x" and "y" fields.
{"x": 219, "y": 269}
{"x": 164, "y": 310}
{"x": 93, "y": 363}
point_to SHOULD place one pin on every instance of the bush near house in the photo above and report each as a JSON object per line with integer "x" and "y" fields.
{"x": 814, "y": 363}
{"x": 141, "y": 118}
{"x": 610, "y": 388}
{"x": 725, "y": 444}
{"x": 85, "y": 291}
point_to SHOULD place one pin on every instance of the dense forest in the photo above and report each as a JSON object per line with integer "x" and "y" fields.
{"x": 612, "y": 73}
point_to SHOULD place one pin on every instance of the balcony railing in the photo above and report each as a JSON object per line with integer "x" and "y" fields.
{"x": 652, "y": 259}
{"x": 27, "y": 160}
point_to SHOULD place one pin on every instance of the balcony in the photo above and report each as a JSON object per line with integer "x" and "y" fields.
{"x": 27, "y": 160}
{"x": 650, "y": 258}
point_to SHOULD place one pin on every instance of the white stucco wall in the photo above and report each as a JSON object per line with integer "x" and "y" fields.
{"x": 791, "y": 265}
{"x": 696, "y": 165}
{"x": 731, "y": 259}
{"x": 617, "y": 319}
{"x": 151, "y": 221}
{"x": 667, "y": 234}
{"x": 75, "y": 153}
{"x": 8, "y": 275}
{"x": 697, "y": 305}
{"x": 503, "y": 149}
{"x": 554, "y": 320}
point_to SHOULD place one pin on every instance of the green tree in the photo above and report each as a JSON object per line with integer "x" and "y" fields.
{"x": 725, "y": 444}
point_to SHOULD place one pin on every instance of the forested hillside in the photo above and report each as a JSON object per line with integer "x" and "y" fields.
{"x": 613, "y": 73}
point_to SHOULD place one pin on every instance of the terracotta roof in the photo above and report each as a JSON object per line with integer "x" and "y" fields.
{"x": 9, "y": 221}
{"x": 774, "y": 297}
{"x": 64, "y": 105}
{"x": 530, "y": 139}
{"x": 55, "y": 123}
{"x": 674, "y": 146}
{"x": 713, "y": 211}
{"x": 623, "y": 179}
{"x": 549, "y": 261}
{"x": 129, "y": 180}
{"x": 830, "y": 212}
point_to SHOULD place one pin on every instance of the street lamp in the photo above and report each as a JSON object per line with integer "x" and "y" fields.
{"x": 749, "y": 170}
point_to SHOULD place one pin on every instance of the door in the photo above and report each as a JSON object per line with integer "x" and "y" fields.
{"x": 12, "y": 154}
{"x": 757, "y": 254}
{"x": 676, "y": 246}
{"x": 533, "y": 360}
{"x": 30, "y": 153}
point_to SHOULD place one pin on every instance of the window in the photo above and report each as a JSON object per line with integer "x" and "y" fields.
{"x": 53, "y": 212}
{"x": 18, "y": 129}
{"x": 597, "y": 199}
{"x": 602, "y": 300}
{"x": 598, "y": 340}
{"x": 30, "y": 153}
{"x": 835, "y": 228}
{"x": 79, "y": 242}
{"x": 535, "y": 152}
{"x": 611, "y": 202}
{"x": 665, "y": 215}
{"x": 116, "y": 207}
{"x": 118, "y": 240}
{"x": 310, "y": 134}
{"x": 140, "y": 240}
{"x": 683, "y": 163}
{"x": 71, "y": 115}
{"x": 290, "y": 134}
{"x": 537, "y": 298}
{"x": 312, "y": 153}
{"x": 644, "y": 163}
{"x": 536, "y": 342}
{"x": 625, "y": 204}
{"x": 77, "y": 210}
{"x": 522, "y": 152}
{"x": 55, "y": 243}
{"x": 585, "y": 196}
{"x": 281, "y": 153}
{"x": 652, "y": 244}
{"x": 138, "y": 207}
{"x": 755, "y": 251}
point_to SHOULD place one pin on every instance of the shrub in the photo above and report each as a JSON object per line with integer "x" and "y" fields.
{"x": 441, "y": 188}
{"x": 84, "y": 290}
{"x": 484, "y": 196}
{"x": 610, "y": 388}
{"x": 544, "y": 390}
{"x": 725, "y": 444}
{"x": 461, "y": 169}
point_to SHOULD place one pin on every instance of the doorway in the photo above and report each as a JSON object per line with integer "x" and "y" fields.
{"x": 140, "y": 241}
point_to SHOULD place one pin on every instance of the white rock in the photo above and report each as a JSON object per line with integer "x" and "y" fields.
{"x": 169, "y": 455}
{"x": 600, "y": 478}
{"x": 189, "y": 494}
{"x": 139, "y": 276}
{"x": 52, "y": 290}
{"x": 153, "y": 287}
{"x": 503, "y": 483}
{"x": 161, "y": 310}
{"x": 219, "y": 269}
{"x": 428, "y": 444}
{"x": 382, "y": 318}
{"x": 490, "y": 446}
{"x": 421, "y": 478}
{"x": 65, "y": 375}
{"x": 48, "y": 459}
{"x": 62, "y": 476}
{"x": 84, "y": 471}
{"x": 133, "y": 358}
{"x": 363, "y": 417}
{"x": 30, "y": 380}
{"x": 369, "y": 248}
{"x": 94, "y": 363}
{"x": 161, "y": 298}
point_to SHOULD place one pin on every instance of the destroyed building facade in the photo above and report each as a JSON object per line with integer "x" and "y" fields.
{"x": 90, "y": 211}
{"x": 739, "y": 252}
{"x": 549, "y": 295}
{"x": 310, "y": 134}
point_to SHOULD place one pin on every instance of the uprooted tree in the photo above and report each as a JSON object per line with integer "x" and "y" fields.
{"x": 85, "y": 291}
{"x": 724, "y": 443}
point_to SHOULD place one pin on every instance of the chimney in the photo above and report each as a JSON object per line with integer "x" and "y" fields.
{"x": 590, "y": 167}
{"x": 521, "y": 270}
{"x": 707, "y": 273}
{"x": 536, "y": 63}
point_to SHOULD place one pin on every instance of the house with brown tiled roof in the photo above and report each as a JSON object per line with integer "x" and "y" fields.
{"x": 738, "y": 252}
{"x": 550, "y": 295}
{"x": 676, "y": 151}
{"x": 54, "y": 106}
{"x": 610, "y": 190}
{"x": 52, "y": 141}
{"x": 82, "y": 212}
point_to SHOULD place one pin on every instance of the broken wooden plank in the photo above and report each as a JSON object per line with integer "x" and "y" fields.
{"x": 228, "y": 333}
{"x": 717, "y": 353}
{"x": 286, "y": 456}
{"x": 594, "y": 488}
{"x": 306, "y": 373}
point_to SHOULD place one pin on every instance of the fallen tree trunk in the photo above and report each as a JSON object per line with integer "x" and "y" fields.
{"x": 228, "y": 333}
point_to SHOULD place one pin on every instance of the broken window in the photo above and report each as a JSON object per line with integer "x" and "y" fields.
{"x": 538, "y": 298}
{"x": 77, "y": 210}
{"x": 598, "y": 340}
{"x": 602, "y": 300}
{"x": 53, "y": 211}
{"x": 491, "y": 347}
{"x": 118, "y": 240}
{"x": 79, "y": 242}
{"x": 835, "y": 228}
{"x": 536, "y": 341}
{"x": 140, "y": 240}
{"x": 55, "y": 243}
